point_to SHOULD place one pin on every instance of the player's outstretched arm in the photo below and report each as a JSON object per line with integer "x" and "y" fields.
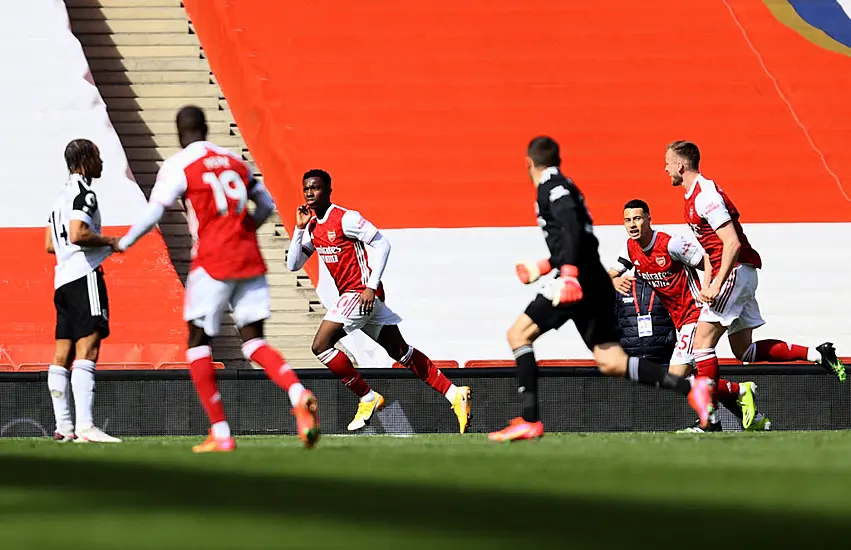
{"x": 528, "y": 272}
{"x": 153, "y": 213}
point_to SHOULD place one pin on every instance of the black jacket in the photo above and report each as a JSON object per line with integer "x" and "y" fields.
{"x": 660, "y": 345}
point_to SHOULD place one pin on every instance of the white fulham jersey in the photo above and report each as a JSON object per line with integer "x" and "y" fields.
{"x": 77, "y": 201}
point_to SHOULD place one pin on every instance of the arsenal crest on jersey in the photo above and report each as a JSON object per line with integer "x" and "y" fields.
{"x": 660, "y": 260}
{"x": 332, "y": 235}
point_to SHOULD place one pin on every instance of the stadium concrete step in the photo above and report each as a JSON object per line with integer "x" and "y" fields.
{"x": 194, "y": 63}
{"x": 123, "y": 26}
{"x": 164, "y": 129}
{"x": 170, "y": 140}
{"x": 147, "y": 63}
{"x": 124, "y": 52}
{"x": 122, "y": 3}
{"x": 210, "y": 103}
{"x": 159, "y": 90}
{"x": 128, "y": 12}
{"x": 152, "y": 77}
{"x": 139, "y": 39}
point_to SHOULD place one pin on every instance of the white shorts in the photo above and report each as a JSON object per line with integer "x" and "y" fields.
{"x": 736, "y": 307}
{"x": 684, "y": 348}
{"x": 347, "y": 312}
{"x": 208, "y": 298}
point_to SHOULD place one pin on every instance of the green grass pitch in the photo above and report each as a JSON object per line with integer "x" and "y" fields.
{"x": 720, "y": 491}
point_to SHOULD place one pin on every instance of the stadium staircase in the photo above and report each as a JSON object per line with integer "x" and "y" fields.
{"x": 147, "y": 63}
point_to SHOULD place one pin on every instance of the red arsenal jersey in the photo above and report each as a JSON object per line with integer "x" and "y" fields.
{"x": 668, "y": 265}
{"x": 707, "y": 208}
{"x": 340, "y": 238}
{"x": 215, "y": 186}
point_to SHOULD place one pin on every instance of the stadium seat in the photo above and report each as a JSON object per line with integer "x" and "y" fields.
{"x": 488, "y": 364}
{"x": 441, "y": 364}
{"x": 7, "y": 367}
{"x": 176, "y": 365}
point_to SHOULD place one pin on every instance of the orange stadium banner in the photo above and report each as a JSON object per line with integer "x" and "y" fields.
{"x": 421, "y": 112}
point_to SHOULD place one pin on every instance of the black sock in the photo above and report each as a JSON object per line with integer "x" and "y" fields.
{"x": 527, "y": 382}
{"x": 647, "y": 372}
{"x": 731, "y": 404}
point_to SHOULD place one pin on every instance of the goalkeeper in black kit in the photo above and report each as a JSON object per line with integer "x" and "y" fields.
{"x": 582, "y": 291}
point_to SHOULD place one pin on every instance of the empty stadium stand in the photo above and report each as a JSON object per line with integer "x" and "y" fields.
{"x": 147, "y": 63}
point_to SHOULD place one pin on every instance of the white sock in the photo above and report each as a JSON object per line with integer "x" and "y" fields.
{"x": 712, "y": 418}
{"x": 295, "y": 393}
{"x": 58, "y": 379}
{"x": 451, "y": 393}
{"x": 690, "y": 379}
{"x": 221, "y": 430}
{"x": 83, "y": 385}
{"x": 368, "y": 397}
{"x": 812, "y": 355}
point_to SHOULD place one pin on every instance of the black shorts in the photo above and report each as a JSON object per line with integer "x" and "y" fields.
{"x": 594, "y": 315}
{"x": 81, "y": 307}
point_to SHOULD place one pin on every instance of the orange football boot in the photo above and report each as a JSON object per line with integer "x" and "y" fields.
{"x": 519, "y": 429}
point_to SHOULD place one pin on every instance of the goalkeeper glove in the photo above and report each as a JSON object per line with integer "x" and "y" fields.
{"x": 529, "y": 272}
{"x": 566, "y": 289}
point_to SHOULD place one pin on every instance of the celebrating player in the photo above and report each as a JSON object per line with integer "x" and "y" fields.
{"x": 730, "y": 277}
{"x": 582, "y": 292}
{"x": 73, "y": 235}
{"x": 668, "y": 263}
{"x": 339, "y": 236}
{"x": 227, "y": 268}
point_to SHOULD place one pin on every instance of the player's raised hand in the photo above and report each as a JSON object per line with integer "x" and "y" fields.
{"x": 623, "y": 284}
{"x": 367, "y": 301}
{"x": 302, "y": 216}
{"x": 566, "y": 288}
{"x": 529, "y": 272}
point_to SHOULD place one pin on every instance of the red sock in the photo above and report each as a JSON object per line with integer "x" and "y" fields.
{"x": 727, "y": 389}
{"x": 706, "y": 363}
{"x": 277, "y": 369}
{"x": 775, "y": 351}
{"x": 425, "y": 370}
{"x": 340, "y": 365}
{"x": 204, "y": 377}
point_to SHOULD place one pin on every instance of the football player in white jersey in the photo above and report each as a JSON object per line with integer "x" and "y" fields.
{"x": 82, "y": 321}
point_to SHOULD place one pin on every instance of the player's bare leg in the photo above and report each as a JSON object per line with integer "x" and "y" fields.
{"x": 327, "y": 336}
{"x": 200, "y": 357}
{"x": 520, "y": 338}
{"x": 706, "y": 338}
{"x": 58, "y": 383}
{"x": 304, "y": 404}
{"x": 390, "y": 338}
{"x": 777, "y": 351}
{"x": 86, "y": 350}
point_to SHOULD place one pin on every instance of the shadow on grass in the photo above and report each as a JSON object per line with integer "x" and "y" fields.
{"x": 550, "y": 520}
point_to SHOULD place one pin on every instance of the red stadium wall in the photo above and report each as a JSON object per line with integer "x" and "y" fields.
{"x": 145, "y": 298}
{"x": 431, "y": 104}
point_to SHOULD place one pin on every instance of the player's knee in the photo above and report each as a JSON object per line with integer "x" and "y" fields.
{"x": 611, "y": 360}
{"x": 517, "y": 337}
{"x": 62, "y": 358}
{"x": 319, "y": 345}
{"x": 89, "y": 353}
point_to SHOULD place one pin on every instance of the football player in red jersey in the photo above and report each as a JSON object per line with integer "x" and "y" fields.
{"x": 730, "y": 279}
{"x": 340, "y": 237}
{"x": 227, "y": 269}
{"x": 668, "y": 263}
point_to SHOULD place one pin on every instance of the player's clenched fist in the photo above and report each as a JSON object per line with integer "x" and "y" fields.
{"x": 566, "y": 288}
{"x": 529, "y": 272}
{"x": 302, "y": 216}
